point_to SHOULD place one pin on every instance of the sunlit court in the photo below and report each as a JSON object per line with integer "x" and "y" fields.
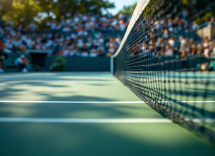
{"x": 85, "y": 114}
{"x": 107, "y": 77}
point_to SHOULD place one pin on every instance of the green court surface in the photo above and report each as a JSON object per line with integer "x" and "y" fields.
{"x": 85, "y": 114}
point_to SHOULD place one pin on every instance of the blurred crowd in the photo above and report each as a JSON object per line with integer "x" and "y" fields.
{"x": 75, "y": 44}
{"x": 170, "y": 37}
{"x": 80, "y": 22}
{"x": 167, "y": 47}
{"x": 86, "y": 22}
{"x": 76, "y": 38}
{"x": 82, "y": 36}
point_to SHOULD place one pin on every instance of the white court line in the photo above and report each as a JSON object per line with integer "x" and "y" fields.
{"x": 187, "y": 101}
{"x": 212, "y": 120}
{"x": 102, "y": 102}
{"x": 72, "y": 102}
{"x": 84, "y": 120}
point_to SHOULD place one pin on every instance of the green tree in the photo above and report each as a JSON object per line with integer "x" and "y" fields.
{"x": 47, "y": 6}
{"x": 95, "y": 6}
{"x": 5, "y": 5}
{"x": 66, "y": 8}
{"x": 128, "y": 9}
{"x": 203, "y": 8}
{"x": 22, "y": 11}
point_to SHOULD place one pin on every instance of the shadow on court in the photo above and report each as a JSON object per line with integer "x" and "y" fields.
{"x": 99, "y": 139}
{"x": 33, "y": 139}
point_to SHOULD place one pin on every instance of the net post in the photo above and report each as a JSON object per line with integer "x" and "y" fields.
{"x": 112, "y": 65}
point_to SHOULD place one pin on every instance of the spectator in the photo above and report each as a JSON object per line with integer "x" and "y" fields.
{"x": 33, "y": 26}
{"x": 66, "y": 29}
{"x": 93, "y": 53}
{"x": 166, "y": 34}
{"x": 23, "y": 48}
{"x": 84, "y": 51}
{"x": 213, "y": 50}
{"x": 1, "y": 55}
{"x": 184, "y": 53}
{"x": 122, "y": 25}
{"x": 169, "y": 52}
{"x": 194, "y": 26}
{"x": 101, "y": 53}
{"x": 21, "y": 62}
{"x": 66, "y": 51}
{"x": 211, "y": 22}
{"x": 9, "y": 44}
{"x": 144, "y": 47}
{"x": 72, "y": 52}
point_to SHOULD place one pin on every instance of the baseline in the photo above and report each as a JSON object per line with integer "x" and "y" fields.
{"x": 101, "y": 101}
{"x": 83, "y": 120}
{"x": 94, "y": 120}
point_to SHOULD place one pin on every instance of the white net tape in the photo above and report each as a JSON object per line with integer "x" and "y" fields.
{"x": 141, "y": 5}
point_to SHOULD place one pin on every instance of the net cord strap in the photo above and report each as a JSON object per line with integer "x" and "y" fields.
{"x": 141, "y": 5}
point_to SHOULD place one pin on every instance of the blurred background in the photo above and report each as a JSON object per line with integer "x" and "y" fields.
{"x": 42, "y": 30}
{"x": 76, "y": 35}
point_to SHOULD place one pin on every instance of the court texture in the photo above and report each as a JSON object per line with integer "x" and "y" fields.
{"x": 85, "y": 114}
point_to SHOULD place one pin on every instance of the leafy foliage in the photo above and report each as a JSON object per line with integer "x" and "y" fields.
{"x": 198, "y": 10}
{"x": 22, "y": 11}
{"x": 25, "y": 11}
{"x": 198, "y": 6}
{"x": 5, "y": 5}
{"x": 128, "y": 9}
{"x": 58, "y": 64}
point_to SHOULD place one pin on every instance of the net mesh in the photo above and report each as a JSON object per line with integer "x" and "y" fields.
{"x": 166, "y": 59}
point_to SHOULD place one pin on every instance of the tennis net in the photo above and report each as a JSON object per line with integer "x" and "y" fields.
{"x": 166, "y": 58}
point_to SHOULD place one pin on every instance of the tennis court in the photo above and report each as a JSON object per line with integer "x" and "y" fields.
{"x": 85, "y": 114}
